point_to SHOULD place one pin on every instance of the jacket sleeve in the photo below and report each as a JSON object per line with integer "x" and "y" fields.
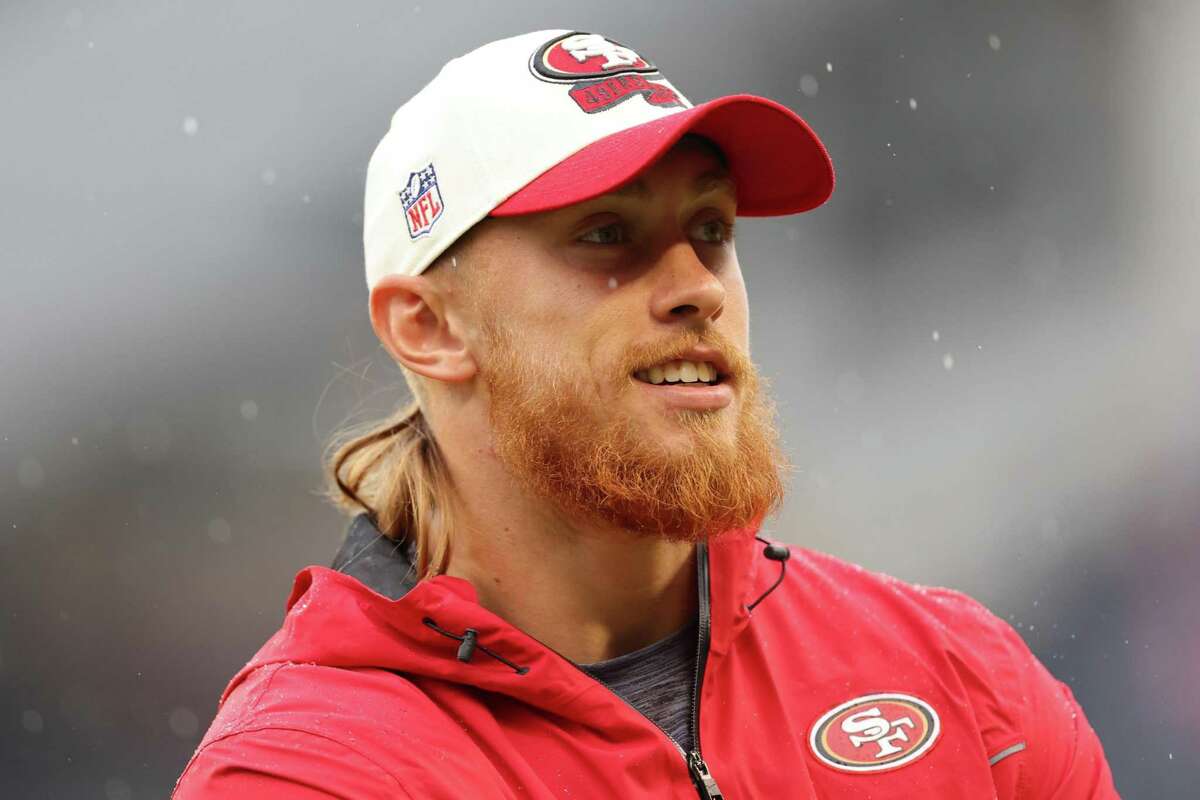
{"x": 275, "y": 763}
{"x": 1063, "y": 759}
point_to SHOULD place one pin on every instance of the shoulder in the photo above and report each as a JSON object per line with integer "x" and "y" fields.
{"x": 946, "y": 630}
{"x": 324, "y": 698}
{"x": 1034, "y": 731}
{"x": 878, "y": 603}
{"x": 279, "y": 762}
{"x": 832, "y": 572}
{"x": 353, "y": 732}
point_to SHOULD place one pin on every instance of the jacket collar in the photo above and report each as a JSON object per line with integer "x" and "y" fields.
{"x": 381, "y": 564}
{"x": 385, "y": 567}
{"x": 370, "y": 613}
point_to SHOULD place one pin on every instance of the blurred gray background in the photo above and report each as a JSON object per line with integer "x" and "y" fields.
{"x": 985, "y": 347}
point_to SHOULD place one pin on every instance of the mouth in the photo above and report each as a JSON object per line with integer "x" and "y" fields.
{"x": 697, "y": 367}
{"x": 698, "y": 382}
{"x": 679, "y": 372}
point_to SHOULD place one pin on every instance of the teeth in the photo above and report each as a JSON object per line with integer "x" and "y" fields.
{"x": 678, "y": 372}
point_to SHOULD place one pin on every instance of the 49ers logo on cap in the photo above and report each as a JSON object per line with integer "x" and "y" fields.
{"x": 603, "y": 72}
{"x": 875, "y": 732}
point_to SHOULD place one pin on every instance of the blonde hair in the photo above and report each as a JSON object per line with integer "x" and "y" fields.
{"x": 394, "y": 471}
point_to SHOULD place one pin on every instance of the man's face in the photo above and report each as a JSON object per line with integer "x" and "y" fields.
{"x": 613, "y": 345}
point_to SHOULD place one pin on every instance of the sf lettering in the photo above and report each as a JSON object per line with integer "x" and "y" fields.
{"x": 870, "y": 726}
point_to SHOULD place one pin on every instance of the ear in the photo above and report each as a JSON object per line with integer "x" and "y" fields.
{"x": 409, "y": 315}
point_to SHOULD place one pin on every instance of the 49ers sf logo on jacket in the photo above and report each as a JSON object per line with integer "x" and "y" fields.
{"x": 875, "y": 732}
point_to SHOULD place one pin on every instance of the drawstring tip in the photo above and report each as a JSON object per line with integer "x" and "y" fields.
{"x": 467, "y": 648}
{"x": 777, "y": 552}
{"x": 469, "y": 643}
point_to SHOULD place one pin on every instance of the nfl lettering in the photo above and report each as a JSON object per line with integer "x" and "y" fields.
{"x": 422, "y": 201}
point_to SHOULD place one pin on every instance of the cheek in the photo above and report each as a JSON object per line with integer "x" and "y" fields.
{"x": 538, "y": 315}
{"x": 610, "y": 329}
{"x": 735, "y": 318}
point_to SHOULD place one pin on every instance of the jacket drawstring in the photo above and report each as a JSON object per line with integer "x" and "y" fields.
{"x": 469, "y": 639}
{"x": 775, "y": 552}
{"x": 470, "y": 643}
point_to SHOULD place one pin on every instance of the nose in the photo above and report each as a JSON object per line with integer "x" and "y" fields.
{"x": 688, "y": 291}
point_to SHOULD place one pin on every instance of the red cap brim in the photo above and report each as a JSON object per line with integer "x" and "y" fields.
{"x": 778, "y": 163}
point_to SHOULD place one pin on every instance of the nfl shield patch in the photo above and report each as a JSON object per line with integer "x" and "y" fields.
{"x": 422, "y": 201}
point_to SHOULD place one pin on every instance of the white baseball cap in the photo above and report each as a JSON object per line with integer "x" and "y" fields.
{"x": 552, "y": 118}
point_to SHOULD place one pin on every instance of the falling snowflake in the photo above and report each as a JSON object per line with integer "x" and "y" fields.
{"x": 183, "y": 722}
{"x": 220, "y": 531}
{"x": 32, "y": 722}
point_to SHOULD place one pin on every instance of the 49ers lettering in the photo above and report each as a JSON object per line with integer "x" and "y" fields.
{"x": 601, "y": 95}
{"x": 875, "y": 732}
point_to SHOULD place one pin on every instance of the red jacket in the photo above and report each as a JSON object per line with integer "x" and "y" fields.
{"x": 838, "y": 683}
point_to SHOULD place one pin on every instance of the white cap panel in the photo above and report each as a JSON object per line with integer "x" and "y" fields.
{"x": 486, "y": 126}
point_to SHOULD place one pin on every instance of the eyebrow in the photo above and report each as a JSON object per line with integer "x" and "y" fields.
{"x": 715, "y": 179}
{"x": 709, "y": 181}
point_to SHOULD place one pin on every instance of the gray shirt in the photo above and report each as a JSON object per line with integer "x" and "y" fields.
{"x": 657, "y": 681}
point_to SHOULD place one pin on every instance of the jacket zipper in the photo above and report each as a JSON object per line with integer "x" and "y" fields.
{"x": 705, "y": 783}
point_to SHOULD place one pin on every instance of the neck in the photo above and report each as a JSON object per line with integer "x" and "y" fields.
{"x": 585, "y": 589}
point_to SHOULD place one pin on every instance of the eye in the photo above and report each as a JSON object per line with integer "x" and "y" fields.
{"x": 713, "y": 231}
{"x": 612, "y": 233}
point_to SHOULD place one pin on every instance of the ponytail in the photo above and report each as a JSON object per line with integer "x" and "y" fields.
{"x": 394, "y": 472}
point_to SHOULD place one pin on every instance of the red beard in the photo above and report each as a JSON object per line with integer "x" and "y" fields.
{"x": 591, "y": 464}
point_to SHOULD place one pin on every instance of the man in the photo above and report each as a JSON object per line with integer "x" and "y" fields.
{"x": 556, "y": 589}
